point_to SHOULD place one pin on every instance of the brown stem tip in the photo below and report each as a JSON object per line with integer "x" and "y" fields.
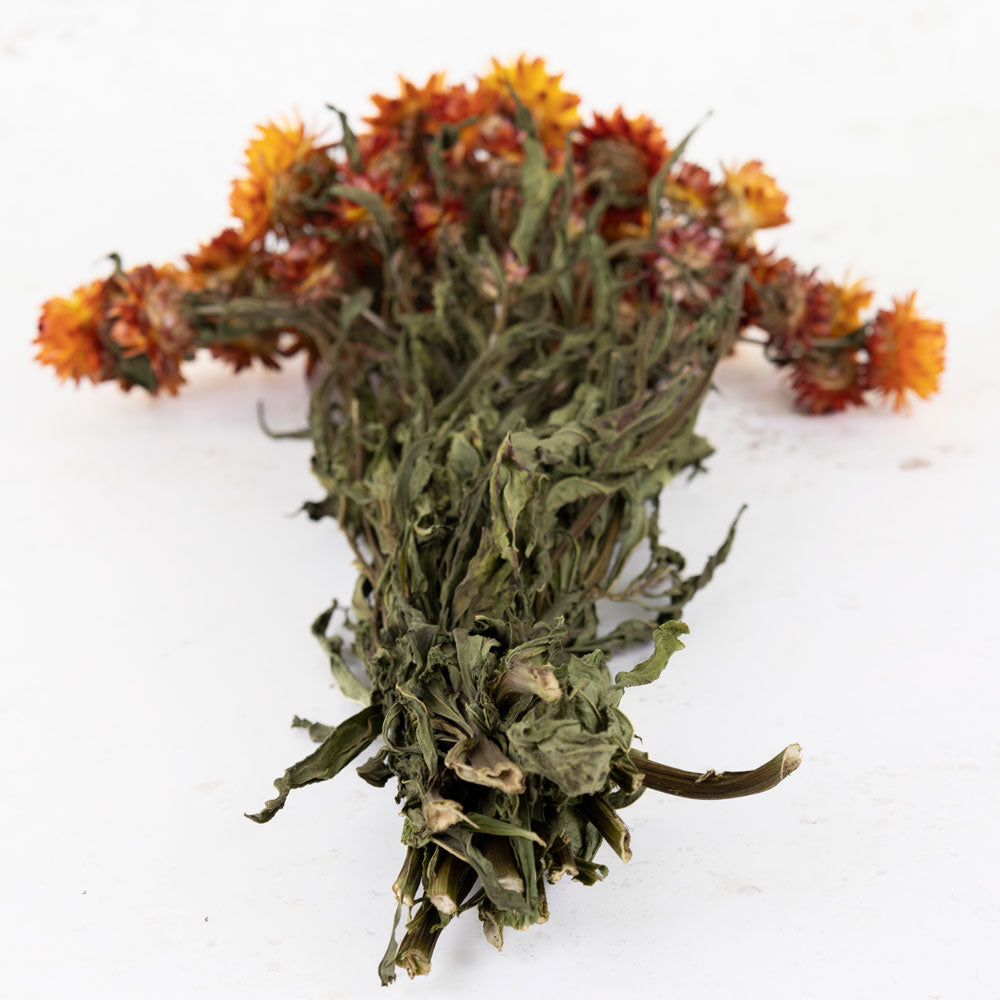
{"x": 718, "y": 784}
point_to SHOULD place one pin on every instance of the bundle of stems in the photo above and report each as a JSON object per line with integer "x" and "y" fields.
{"x": 491, "y": 502}
{"x": 511, "y": 323}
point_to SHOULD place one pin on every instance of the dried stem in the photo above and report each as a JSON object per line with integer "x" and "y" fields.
{"x": 408, "y": 881}
{"x": 718, "y": 784}
{"x": 418, "y": 942}
{"x": 611, "y": 826}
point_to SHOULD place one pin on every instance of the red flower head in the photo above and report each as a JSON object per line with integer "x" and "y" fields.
{"x": 790, "y": 305}
{"x": 692, "y": 265}
{"x": 146, "y": 321}
{"x": 827, "y": 382}
{"x": 622, "y": 154}
{"x": 629, "y": 151}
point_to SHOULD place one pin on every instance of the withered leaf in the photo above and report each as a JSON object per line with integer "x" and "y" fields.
{"x": 337, "y": 751}
{"x": 666, "y": 642}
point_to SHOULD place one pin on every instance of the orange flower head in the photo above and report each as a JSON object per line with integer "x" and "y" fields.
{"x": 68, "y": 333}
{"x": 394, "y": 144}
{"x": 431, "y": 221}
{"x": 401, "y": 118}
{"x": 495, "y": 134}
{"x": 307, "y": 270}
{"x": 790, "y": 305}
{"x": 218, "y": 263}
{"x": 845, "y": 305}
{"x": 906, "y": 353}
{"x": 629, "y": 150}
{"x": 624, "y": 224}
{"x": 553, "y": 109}
{"x": 750, "y": 200}
{"x": 351, "y": 217}
{"x": 277, "y": 161}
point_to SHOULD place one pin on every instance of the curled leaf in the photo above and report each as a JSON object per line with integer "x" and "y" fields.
{"x": 343, "y": 744}
{"x": 666, "y": 642}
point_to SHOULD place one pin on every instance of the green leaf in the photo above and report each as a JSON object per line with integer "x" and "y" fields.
{"x": 353, "y": 306}
{"x": 318, "y": 731}
{"x": 574, "y": 488}
{"x": 463, "y": 459}
{"x": 666, "y": 642}
{"x": 349, "y": 685}
{"x": 387, "y": 967}
{"x": 490, "y": 824}
{"x": 694, "y": 583}
{"x": 459, "y": 840}
{"x": 589, "y": 873}
{"x": 348, "y": 740}
{"x": 372, "y": 204}
{"x": 422, "y": 723}
{"x": 564, "y": 752}
{"x": 350, "y": 140}
{"x": 538, "y": 185}
{"x": 137, "y": 370}
{"x": 656, "y": 184}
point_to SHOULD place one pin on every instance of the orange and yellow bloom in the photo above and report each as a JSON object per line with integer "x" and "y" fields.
{"x": 905, "y": 352}
{"x": 68, "y": 333}
{"x": 277, "y": 161}
{"x": 437, "y": 170}
{"x": 219, "y": 262}
{"x": 553, "y": 109}
{"x": 846, "y": 303}
{"x": 400, "y": 117}
{"x": 750, "y": 200}
{"x": 691, "y": 190}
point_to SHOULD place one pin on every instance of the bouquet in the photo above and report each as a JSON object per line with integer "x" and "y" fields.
{"x": 510, "y": 316}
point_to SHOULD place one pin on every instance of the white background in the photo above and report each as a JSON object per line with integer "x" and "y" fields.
{"x": 156, "y": 595}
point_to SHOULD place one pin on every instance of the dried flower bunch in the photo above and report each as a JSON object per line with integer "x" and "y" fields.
{"x": 511, "y": 318}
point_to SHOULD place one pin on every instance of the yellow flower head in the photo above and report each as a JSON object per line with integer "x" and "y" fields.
{"x": 905, "y": 352}
{"x": 690, "y": 189}
{"x": 68, "y": 333}
{"x": 274, "y": 161}
{"x": 553, "y": 109}
{"x": 846, "y": 303}
{"x": 751, "y": 200}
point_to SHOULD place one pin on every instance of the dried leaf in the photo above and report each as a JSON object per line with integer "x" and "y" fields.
{"x": 337, "y": 751}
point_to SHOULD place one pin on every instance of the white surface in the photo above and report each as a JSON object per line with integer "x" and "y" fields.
{"x": 156, "y": 596}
